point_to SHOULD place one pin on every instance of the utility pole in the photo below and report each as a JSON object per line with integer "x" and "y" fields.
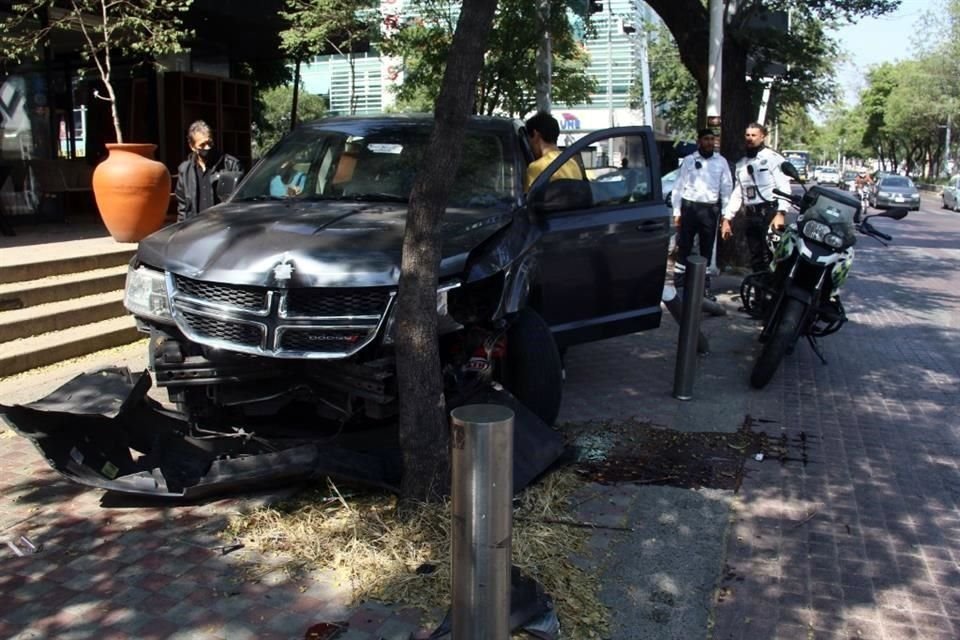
{"x": 544, "y": 57}
{"x": 645, "y": 68}
{"x": 610, "y": 79}
{"x": 715, "y": 65}
{"x": 946, "y": 150}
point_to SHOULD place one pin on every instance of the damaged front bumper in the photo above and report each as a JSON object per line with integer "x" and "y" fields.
{"x": 101, "y": 430}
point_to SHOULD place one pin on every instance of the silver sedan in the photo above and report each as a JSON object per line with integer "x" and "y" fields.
{"x": 895, "y": 191}
{"x": 951, "y": 194}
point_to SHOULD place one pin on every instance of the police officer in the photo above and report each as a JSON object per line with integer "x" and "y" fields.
{"x": 757, "y": 174}
{"x": 702, "y": 188}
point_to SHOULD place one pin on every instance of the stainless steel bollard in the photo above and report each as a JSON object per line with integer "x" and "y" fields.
{"x": 482, "y": 492}
{"x": 689, "y": 328}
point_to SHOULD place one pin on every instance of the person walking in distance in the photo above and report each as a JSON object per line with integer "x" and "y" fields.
{"x": 703, "y": 187}
{"x": 756, "y": 176}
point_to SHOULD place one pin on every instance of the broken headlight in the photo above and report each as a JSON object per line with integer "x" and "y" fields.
{"x": 145, "y": 294}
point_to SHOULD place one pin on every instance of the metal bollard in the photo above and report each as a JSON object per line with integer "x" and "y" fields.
{"x": 482, "y": 492}
{"x": 689, "y": 328}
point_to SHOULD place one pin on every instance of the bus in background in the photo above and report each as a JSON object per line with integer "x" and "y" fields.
{"x": 800, "y": 160}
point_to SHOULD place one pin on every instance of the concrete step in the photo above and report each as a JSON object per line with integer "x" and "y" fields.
{"x": 74, "y": 259}
{"x": 20, "y": 295}
{"x": 56, "y": 316}
{"x": 49, "y": 348}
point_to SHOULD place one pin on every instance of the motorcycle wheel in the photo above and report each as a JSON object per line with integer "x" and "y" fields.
{"x": 780, "y": 342}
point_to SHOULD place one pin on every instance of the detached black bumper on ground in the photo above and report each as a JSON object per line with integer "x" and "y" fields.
{"x": 101, "y": 430}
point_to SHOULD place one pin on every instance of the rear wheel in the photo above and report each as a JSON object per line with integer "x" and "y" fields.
{"x": 778, "y": 345}
{"x": 532, "y": 369}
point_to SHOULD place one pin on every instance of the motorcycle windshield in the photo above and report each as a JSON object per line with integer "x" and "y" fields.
{"x": 836, "y": 211}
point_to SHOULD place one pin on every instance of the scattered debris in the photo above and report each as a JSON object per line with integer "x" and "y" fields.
{"x": 325, "y": 630}
{"x": 224, "y": 549}
{"x": 22, "y": 546}
{"x": 639, "y": 452}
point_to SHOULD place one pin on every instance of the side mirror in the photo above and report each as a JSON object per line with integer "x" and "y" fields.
{"x": 897, "y": 213}
{"x": 790, "y": 171}
{"x": 227, "y": 183}
{"x": 561, "y": 195}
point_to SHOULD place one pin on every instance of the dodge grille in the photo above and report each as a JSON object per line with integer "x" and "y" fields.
{"x": 283, "y": 323}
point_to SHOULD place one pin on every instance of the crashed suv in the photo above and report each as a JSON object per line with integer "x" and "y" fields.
{"x": 283, "y": 298}
{"x": 272, "y": 316}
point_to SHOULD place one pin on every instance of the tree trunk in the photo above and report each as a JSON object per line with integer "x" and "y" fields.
{"x": 424, "y": 436}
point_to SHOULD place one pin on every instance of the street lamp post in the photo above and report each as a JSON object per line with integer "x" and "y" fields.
{"x": 610, "y": 79}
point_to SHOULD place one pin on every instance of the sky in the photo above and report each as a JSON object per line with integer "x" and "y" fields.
{"x": 874, "y": 40}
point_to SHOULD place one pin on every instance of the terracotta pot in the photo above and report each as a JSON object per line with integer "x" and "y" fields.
{"x": 132, "y": 191}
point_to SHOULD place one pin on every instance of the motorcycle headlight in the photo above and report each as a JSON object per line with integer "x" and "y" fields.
{"x": 815, "y": 230}
{"x": 833, "y": 241}
{"x": 145, "y": 294}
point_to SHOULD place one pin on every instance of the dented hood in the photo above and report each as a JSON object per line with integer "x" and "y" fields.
{"x": 328, "y": 244}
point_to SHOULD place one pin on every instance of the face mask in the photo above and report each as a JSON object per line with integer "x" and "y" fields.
{"x": 204, "y": 153}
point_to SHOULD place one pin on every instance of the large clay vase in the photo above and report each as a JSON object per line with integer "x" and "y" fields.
{"x": 132, "y": 191}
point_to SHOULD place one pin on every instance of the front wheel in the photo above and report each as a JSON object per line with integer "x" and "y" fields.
{"x": 779, "y": 343}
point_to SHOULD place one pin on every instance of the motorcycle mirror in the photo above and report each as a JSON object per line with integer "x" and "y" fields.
{"x": 790, "y": 171}
{"x": 897, "y": 213}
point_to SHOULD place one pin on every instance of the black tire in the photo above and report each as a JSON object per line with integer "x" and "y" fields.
{"x": 532, "y": 369}
{"x": 778, "y": 344}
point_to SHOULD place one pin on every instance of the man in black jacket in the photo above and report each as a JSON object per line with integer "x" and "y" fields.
{"x": 197, "y": 176}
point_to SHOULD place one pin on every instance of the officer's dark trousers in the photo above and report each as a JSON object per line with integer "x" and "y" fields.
{"x": 758, "y": 220}
{"x": 697, "y": 220}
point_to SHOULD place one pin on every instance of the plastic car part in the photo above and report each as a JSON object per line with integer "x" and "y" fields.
{"x": 101, "y": 430}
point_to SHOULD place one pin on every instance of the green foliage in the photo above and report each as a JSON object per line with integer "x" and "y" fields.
{"x": 319, "y": 26}
{"x": 150, "y": 28}
{"x": 508, "y": 80}
{"x": 675, "y": 92}
{"x": 274, "y": 120}
{"x": 140, "y": 28}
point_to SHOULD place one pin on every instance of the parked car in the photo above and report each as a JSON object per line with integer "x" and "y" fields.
{"x": 950, "y": 197}
{"x": 828, "y": 175}
{"x": 848, "y": 181}
{"x": 666, "y": 184}
{"x": 262, "y": 304}
{"x": 894, "y": 191}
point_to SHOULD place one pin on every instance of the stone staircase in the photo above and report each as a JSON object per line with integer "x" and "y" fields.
{"x": 62, "y": 300}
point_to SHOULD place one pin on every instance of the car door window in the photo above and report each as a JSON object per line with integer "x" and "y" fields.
{"x": 613, "y": 172}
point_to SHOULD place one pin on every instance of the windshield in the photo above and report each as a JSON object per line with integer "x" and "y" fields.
{"x": 901, "y": 183}
{"x": 837, "y": 212}
{"x": 379, "y": 166}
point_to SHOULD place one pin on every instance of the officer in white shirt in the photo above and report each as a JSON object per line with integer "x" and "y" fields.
{"x": 702, "y": 188}
{"x": 757, "y": 175}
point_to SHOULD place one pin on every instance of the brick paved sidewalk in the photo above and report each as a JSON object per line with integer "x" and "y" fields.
{"x": 858, "y": 534}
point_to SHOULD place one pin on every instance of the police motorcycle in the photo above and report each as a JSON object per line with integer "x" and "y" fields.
{"x": 799, "y": 296}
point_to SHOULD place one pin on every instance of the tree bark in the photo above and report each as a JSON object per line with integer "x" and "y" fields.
{"x": 424, "y": 435}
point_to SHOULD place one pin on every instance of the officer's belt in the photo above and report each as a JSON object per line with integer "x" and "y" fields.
{"x": 760, "y": 209}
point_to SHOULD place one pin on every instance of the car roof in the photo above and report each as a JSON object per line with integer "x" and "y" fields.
{"x": 359, "y": 125}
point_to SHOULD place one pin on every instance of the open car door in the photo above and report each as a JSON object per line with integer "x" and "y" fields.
{"x": 602, "y": 257}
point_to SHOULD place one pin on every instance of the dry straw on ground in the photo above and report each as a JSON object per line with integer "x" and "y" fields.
{"x": 407, "y": 561}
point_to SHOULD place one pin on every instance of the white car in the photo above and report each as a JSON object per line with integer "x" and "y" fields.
{"x": 828, "y": 175}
